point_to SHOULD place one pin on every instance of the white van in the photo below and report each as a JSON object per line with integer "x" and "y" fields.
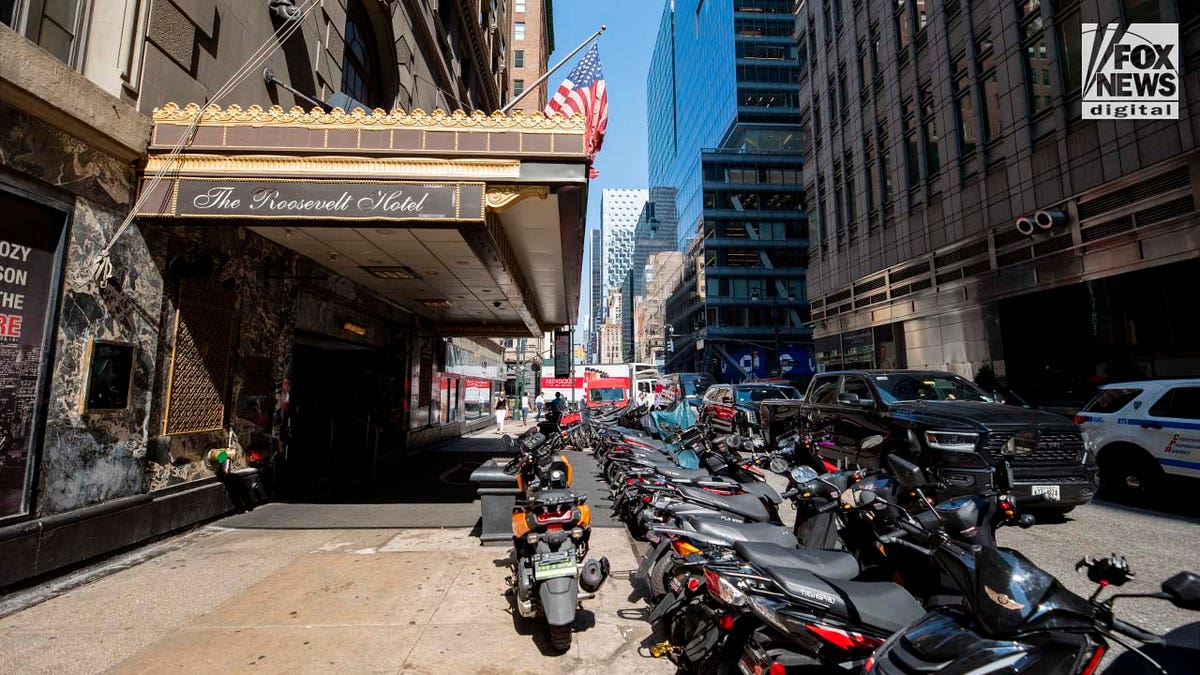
{"x": 1143, "y": 431}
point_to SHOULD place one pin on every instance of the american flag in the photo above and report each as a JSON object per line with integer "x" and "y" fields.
{"x": 584, "y": 92}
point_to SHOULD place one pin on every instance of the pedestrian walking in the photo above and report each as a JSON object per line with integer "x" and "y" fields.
{"x": 501, "y": 413}
{"x": 538, "y": 404}
{"x": 525, "y": 408}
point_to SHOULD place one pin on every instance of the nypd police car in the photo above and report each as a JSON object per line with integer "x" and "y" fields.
{"x": 1143, "y": 432}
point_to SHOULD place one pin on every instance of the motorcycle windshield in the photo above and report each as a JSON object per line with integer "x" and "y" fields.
{"x": 1009, "y": 589}
{"x": 679, "y": 417}
{"x": 687, "y": 459}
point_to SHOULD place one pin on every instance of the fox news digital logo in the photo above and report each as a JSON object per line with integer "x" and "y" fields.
{"x": 1131, "y": 73}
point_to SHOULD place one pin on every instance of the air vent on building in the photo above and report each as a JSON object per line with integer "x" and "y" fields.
{"x": 838, "y": 297}
{"x": 818, "y": 303}
{"x": 1015, "y": 256}
{"x": 872, "y": 300}
{"x": 947, "y": 277}
{"x": 394, "y": 272}
{"x": 833, "y": 311}
{"x": 909, "y": 272}
{"x": 1054, "y": 245}
{"x": 868, "y": 286}
{"x": 960, "y": 254}
{"x": 1171, "y": 209}
{"x": 1157, "y": 185}
{"x": 1009, "y": 235}
{"x": 977, "y": 268}
{"x": 1107, "y": 229}
{"x": 921, "y": 285}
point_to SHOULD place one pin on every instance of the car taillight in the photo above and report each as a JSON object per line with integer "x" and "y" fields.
{"x": 1079, "y": 419}
{"x": 255, "y": 456}
{"x": 777, "y": 669}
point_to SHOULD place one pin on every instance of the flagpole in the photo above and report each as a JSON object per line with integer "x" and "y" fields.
{"x": 550, "y": 72}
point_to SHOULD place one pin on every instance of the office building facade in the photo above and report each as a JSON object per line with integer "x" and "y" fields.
{"x": 620, "y": 210}
{"x": 724, "y": 130}
{"x": 937, "y": 133}
{"x": 654, "y": 232}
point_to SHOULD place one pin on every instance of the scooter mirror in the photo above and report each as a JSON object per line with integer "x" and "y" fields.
{"x": 778, "y": 465}
{"x": 867, "y": 497}
{"x": 1184, "y": 590}
{"x": 910, "y": 475}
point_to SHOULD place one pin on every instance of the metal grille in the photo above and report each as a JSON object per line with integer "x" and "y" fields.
{"x": 1008, "y": 236}
{"x": 1059, "y": 243}
{"x": 1107, "y": 229}
{"x": 1054, "y": 447}
{"x": 1019, "y": 255}
{"x": 200, "y": 359}
{"x": 1171, "y": 209}
{"x": 1146, "y": 189}
{"x": 868, "y": 286}
{"x": 909, "y": 272}
{"x": 963, "y": 253}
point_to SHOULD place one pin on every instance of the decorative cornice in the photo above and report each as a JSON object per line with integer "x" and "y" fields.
{"x": 334, "y": 166}
{"x": 500, "y": 197}
{"x": 417, "y": 119}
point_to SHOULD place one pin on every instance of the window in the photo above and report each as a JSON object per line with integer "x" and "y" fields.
{"x": 870, "y": 174}
{"x": 52, "y": 24}
{"x": 989, "y": 87}
{"x": 518, "y": 58}
{"x": 1179, "y": 403}
{"x": 933, "y": 160}
{"x": 1143, "y": 11}
{"x": 360, "y": 58}
{"x": 856, "y": 386}
{"x": 7, "y": 12}
{"x": 1037, "y": 75}
{"x": 518, "y": 87}
{"x": 911, "y": 151}
{"x": 1111, "y": 400}
{"x": 863, "y": 70}
{"x": 848, "y": 164}
{"x": 1070, "y": 51}
{"x": 902, "y": 28}
{"x": 519, "y": 5}
{"x": 518, "y": 30}
{"x": 824, "y": 390}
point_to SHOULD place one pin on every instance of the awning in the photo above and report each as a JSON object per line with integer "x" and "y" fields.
{"x": 475, "y": 222}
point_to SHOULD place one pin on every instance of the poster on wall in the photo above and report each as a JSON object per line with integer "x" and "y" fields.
{"x": 29, "y": 240}
{"x": 562, "y": 352}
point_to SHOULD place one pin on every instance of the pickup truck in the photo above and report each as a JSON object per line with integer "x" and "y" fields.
{"x": 946, "y": 424}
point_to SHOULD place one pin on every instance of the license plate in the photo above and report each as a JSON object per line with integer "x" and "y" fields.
{"x": 552, "y": 566}
{"x": 1051, "y": 491}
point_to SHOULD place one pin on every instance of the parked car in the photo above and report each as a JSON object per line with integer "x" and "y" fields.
{"x": 1143, "y": 432}
{"x": 733, "y": 408}
{"x": 689, "y": 386}
{"x": 952, "y": 428}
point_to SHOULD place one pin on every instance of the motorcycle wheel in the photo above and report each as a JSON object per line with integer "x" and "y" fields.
{"x": 560, "y": 637}
{"x": 657, "y": 577}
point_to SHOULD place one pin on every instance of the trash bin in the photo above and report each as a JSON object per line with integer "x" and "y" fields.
{"x": 497, "y": 495}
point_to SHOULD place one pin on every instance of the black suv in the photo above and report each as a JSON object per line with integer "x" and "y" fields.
{"x": 952, "y": 428}
{"x": 733, "y": 408}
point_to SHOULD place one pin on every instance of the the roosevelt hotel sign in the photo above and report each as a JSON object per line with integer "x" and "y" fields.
{"x": 322, "y": 200}
{"x": 1131, "y": 72}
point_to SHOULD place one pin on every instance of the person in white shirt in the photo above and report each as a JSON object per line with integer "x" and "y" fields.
{"x": 524, "y": 408}
{"x": 538, "y": 404}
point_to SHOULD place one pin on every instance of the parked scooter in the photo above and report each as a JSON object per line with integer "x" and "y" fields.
{"x": 551, "y": 528}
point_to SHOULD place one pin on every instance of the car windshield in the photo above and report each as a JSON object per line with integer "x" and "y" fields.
{"x": 694, "y": 385}
{"x": 895, "y": 387}
{"x": 607, "y": 395}
{"x": 756, "y": 394}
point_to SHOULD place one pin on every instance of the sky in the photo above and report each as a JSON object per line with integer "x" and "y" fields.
{"x": 625, "y": 56}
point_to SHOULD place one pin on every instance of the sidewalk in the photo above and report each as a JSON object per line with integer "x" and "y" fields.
{"x": 365, "y": 600}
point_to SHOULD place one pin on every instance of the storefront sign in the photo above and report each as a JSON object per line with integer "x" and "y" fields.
{"x": 29, "y": 240}
{"x": 336, "y": 200}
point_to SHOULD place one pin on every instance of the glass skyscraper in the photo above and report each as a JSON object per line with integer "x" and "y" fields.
{"x": 724, "y": 132}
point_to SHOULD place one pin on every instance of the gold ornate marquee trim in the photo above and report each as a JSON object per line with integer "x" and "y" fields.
{"x": 500, "y": 197}
{"x": 417, "y": 119}
{"x": 333, "y": 166}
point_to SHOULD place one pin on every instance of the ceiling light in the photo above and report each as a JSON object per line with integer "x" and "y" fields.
{"x": 395, "y": 272}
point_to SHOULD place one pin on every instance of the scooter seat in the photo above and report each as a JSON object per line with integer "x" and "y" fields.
{"x": 881, "y": 604}
{"x": 680, "y": 473}
{"x": 735, "y": 532}
{"x": 766, "y": 554}
{"x": 554, "y": 497}
{"x": 747, "y": 506}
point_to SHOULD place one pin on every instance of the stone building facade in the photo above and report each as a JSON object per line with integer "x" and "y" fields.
{"x": 118, "y": 382}
{"x": 529, "y": 53}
